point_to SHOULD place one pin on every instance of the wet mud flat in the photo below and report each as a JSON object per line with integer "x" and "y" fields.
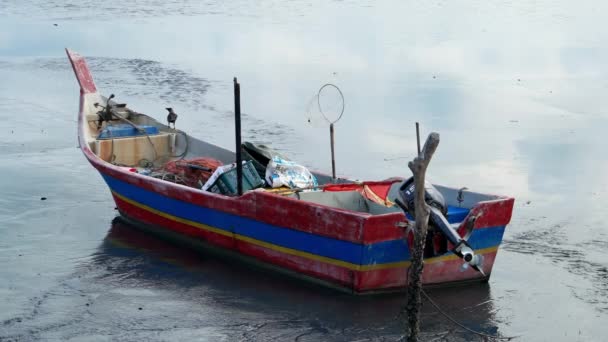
{"x": 516, "y": 117}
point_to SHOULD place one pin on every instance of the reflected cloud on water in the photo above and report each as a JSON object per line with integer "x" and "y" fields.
{"x": 517, "y": 91}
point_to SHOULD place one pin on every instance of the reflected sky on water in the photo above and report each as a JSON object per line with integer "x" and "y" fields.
{"x": 516, "y": 90}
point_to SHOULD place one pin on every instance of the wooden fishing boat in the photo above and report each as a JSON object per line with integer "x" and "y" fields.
{"x": 344, "y": 234}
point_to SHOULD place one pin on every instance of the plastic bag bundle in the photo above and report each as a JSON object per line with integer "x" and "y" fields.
{"x": 281, "y": 172}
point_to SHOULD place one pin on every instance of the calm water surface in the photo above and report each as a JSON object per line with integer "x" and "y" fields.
{"x": 516, "y": 90}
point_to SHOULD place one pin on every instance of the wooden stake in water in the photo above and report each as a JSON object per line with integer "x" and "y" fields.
{"x": 418, "y": 167}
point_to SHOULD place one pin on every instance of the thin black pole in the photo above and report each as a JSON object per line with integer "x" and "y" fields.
{"x": 333, "y": 159}
{"x": 418, "y": 138}
{"x": 237, "y": 126}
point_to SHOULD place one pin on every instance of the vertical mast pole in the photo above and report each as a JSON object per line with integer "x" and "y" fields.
{"x": 237, "y": 133}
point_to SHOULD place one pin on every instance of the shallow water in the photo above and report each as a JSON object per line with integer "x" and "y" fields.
{"x": 515, "y": 90}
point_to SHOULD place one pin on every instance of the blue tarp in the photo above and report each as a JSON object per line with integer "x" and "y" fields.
{"x": 125, "y": 130}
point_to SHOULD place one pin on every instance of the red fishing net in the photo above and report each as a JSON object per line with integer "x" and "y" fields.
{"x": 193, "y": 172}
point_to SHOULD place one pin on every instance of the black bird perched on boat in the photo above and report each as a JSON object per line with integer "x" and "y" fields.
{"x": 171, "y": 117}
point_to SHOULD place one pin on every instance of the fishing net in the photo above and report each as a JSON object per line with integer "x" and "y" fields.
{"x": 192, "y": 172}
{"x": 326, "y": 107}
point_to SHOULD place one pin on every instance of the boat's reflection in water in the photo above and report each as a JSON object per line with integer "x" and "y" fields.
{"x": 135, "y": 257}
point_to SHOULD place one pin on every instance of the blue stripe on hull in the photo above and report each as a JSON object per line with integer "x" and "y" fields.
{"x": 385, "y": 252}
{"x": 486, "y": 237}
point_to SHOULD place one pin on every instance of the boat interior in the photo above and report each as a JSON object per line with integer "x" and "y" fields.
{"x": 139, "y": 142}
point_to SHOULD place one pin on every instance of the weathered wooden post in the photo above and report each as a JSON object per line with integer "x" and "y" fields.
{"x": 418, "y": 167}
